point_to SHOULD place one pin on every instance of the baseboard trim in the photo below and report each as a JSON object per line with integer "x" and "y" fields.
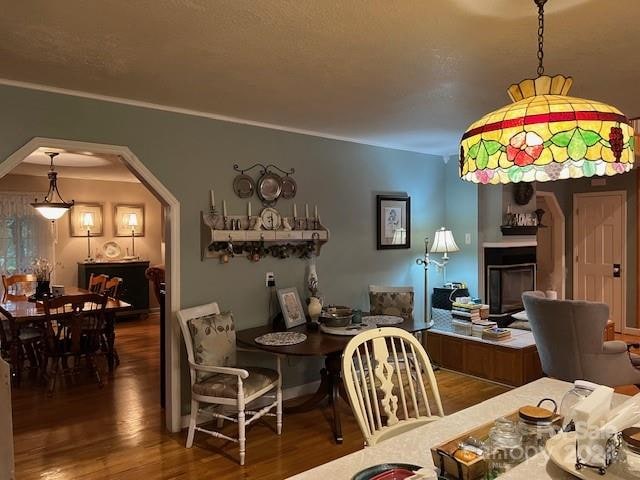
{"x": 287, "y": 394}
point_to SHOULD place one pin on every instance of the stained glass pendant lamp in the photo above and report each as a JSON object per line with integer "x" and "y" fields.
{"x": 546, "y": 135}
{"x": 49, "y": 208}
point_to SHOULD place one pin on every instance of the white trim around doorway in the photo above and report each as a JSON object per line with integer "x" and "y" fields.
{"x": 172, "y": 341}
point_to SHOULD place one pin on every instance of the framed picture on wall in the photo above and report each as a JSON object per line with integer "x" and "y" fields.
{"x": 393, "y": 221}
{"x": 86, "y": 217}
{"x": 291, "y": 307}
{"x": 128, "y": 218}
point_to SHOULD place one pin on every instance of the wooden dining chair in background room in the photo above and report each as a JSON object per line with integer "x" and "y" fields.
{"x": 17, "y": 287}
{"x": 73, "y": 328}
{"x": 384, "y": 372}
{"x": 112, "y": 289}
{"x": 24, "y": 338}
{"x": 210, "y": 340}
{"x": 97, "y": 282}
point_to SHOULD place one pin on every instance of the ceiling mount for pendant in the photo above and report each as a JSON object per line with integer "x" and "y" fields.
{"x": 546, "y": 135}
{"x": 48, "y": 208}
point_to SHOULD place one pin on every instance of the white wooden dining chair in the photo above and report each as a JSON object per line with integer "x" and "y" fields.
{"x": 210, "y": 340}
{"x": 384, "y": 372}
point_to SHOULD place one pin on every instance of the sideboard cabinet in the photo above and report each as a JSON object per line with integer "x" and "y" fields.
{"x": 135, "y": 286}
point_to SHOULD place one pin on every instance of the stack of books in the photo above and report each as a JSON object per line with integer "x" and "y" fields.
{"x": 496, "y": 333}
{"x": 466, "y": 311}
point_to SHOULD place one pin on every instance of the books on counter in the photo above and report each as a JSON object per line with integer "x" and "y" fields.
{"x": 472, "y": 310}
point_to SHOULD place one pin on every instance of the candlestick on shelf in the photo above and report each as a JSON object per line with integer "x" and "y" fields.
{"x": 213, "y": 201}
{"x": 295, "y": 211}
{"x": 248, "y": 209}
{"x": 224, "y": 208}
{"x": 306, "y": 210}
{"x": 315, "y": 212}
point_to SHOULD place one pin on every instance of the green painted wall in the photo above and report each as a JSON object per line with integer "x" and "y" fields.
{"x": 564, "y": 191}
{"x": 191, "y": 155}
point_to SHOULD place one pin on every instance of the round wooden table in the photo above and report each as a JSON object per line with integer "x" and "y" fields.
{"x": 318, "y": 344}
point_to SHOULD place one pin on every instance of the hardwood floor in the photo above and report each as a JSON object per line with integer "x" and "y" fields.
{"x": 85, "y": 432}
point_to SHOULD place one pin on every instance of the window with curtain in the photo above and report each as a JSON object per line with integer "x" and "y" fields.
{"x": 24, "y": 233}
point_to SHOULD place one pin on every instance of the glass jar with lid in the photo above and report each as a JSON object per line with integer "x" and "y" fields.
{"x": 536, "y": 425}
{"x": 503, "y": 448}
{"x": 581, "y": 389}
{"x": 629, "y": 456}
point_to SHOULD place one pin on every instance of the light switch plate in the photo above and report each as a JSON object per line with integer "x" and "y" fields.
{"x": 467, "y": 238}
{"x": 270, "y": 280}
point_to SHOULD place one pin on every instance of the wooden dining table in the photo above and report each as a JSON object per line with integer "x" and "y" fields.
{"x": 318, "y": 344}
{"x": 24, "y": 312}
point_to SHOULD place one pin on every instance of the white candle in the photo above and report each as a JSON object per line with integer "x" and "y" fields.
{"x": 306, "y": 210}
{"x": 295, "y": 211}
{"x": 315, "y": 212}
{"x": 248, "y": 209}
{"x": 213, "y": 201}
{"x": 224, "y": 208}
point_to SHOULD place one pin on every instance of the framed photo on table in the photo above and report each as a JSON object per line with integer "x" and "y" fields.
{"x": 291, "y": 307}
{"x": 394, "y": 221}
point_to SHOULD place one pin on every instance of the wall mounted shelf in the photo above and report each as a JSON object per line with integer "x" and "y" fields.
{"x": 519, "y": 229}
{"x": 223, "y": 243}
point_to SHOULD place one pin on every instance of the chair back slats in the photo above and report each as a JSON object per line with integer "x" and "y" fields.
{"x": 14, "y": 286}
{"x": 388, "y": 378}
{"x": 399, "y": 377}
{"x": 97, "y": 282}
{"x": 372, "y": 387}
{"x": 112, "y": 287}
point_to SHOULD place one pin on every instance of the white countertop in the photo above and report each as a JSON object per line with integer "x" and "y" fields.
{"x": 518, "y": 339}
{"x": 414, "y": 446}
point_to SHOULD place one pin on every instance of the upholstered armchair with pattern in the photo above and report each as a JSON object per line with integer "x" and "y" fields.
{"x": 568, "y": 335}
{"x": 398, "y": 301}
{"x": 210, "y": 340}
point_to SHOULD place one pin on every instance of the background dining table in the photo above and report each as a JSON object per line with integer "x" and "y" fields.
{"x": 414, "y": 446}
{"x": 24, "y": 312}
{"x": 318, "y": 344}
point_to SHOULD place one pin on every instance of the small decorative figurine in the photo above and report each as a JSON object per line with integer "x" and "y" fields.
{"x": 258, "y": 225}
{"x": 285, "y": 224}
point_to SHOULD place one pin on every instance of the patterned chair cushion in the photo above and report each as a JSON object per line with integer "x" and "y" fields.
{"x": 214, "y": 341}
{"x": 220, "y": 385}
{"x": 392, "y": 303}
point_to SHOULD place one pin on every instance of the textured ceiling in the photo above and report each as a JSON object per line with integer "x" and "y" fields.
{"x": 410, "y": 74}
{"x": 70, "y": 164}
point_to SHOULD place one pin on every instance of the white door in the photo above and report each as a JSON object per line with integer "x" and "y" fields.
{"x": 599, "y": 242}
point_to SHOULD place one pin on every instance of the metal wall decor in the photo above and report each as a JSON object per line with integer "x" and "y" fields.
{"x": 269, "y": 186}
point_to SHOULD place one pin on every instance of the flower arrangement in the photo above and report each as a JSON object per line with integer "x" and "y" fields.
{"x": 41, "y": 269}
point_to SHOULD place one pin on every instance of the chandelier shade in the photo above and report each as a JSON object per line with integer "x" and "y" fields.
{"x": 48, "y": 208}
{"x": 546, "y": 135}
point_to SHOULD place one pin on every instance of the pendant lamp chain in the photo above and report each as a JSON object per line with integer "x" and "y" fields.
{"x": 540, "y": 4}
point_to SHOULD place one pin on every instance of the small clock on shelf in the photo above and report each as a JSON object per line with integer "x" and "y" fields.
{"x": 271, "y": 218}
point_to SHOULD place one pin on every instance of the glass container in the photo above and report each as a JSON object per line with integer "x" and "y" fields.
{"x": 503, "y": 448}
{"x": 581, "y": 389}
{"x": 536, "y": 426}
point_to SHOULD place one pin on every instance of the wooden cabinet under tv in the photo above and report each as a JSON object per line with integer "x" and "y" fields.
{"x": 511, "y": 362}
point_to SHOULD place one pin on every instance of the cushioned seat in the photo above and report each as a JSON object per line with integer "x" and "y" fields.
{"x": 520, "y": 325}
{"x": 226, "y": 386}
{"x": 635, "y": 360}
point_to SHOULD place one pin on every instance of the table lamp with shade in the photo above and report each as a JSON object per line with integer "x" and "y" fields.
{"x": 87, "y": 222}
{"x": 444, "y": 243}
{"x": 131, "y": 220}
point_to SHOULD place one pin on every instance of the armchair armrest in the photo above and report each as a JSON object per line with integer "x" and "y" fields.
{"x": 240, "y": 372}
{"x": 614, "y": 346}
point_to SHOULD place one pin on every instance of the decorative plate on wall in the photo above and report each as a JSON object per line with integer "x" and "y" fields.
{"x": 271, "y": 218}
{"x": 243, "y": 186}
{"x": 112, "y": 250}
{"x": 269, "y": 188}
{"x": 289, "y": 187}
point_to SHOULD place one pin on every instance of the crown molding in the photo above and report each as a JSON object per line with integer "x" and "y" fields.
{"x": 197, "y": 113}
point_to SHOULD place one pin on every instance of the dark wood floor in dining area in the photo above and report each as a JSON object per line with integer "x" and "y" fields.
{"x": 117, "y": 432}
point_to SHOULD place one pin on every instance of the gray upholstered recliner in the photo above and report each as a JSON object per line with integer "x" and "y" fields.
{"x": 569, "y": 338}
